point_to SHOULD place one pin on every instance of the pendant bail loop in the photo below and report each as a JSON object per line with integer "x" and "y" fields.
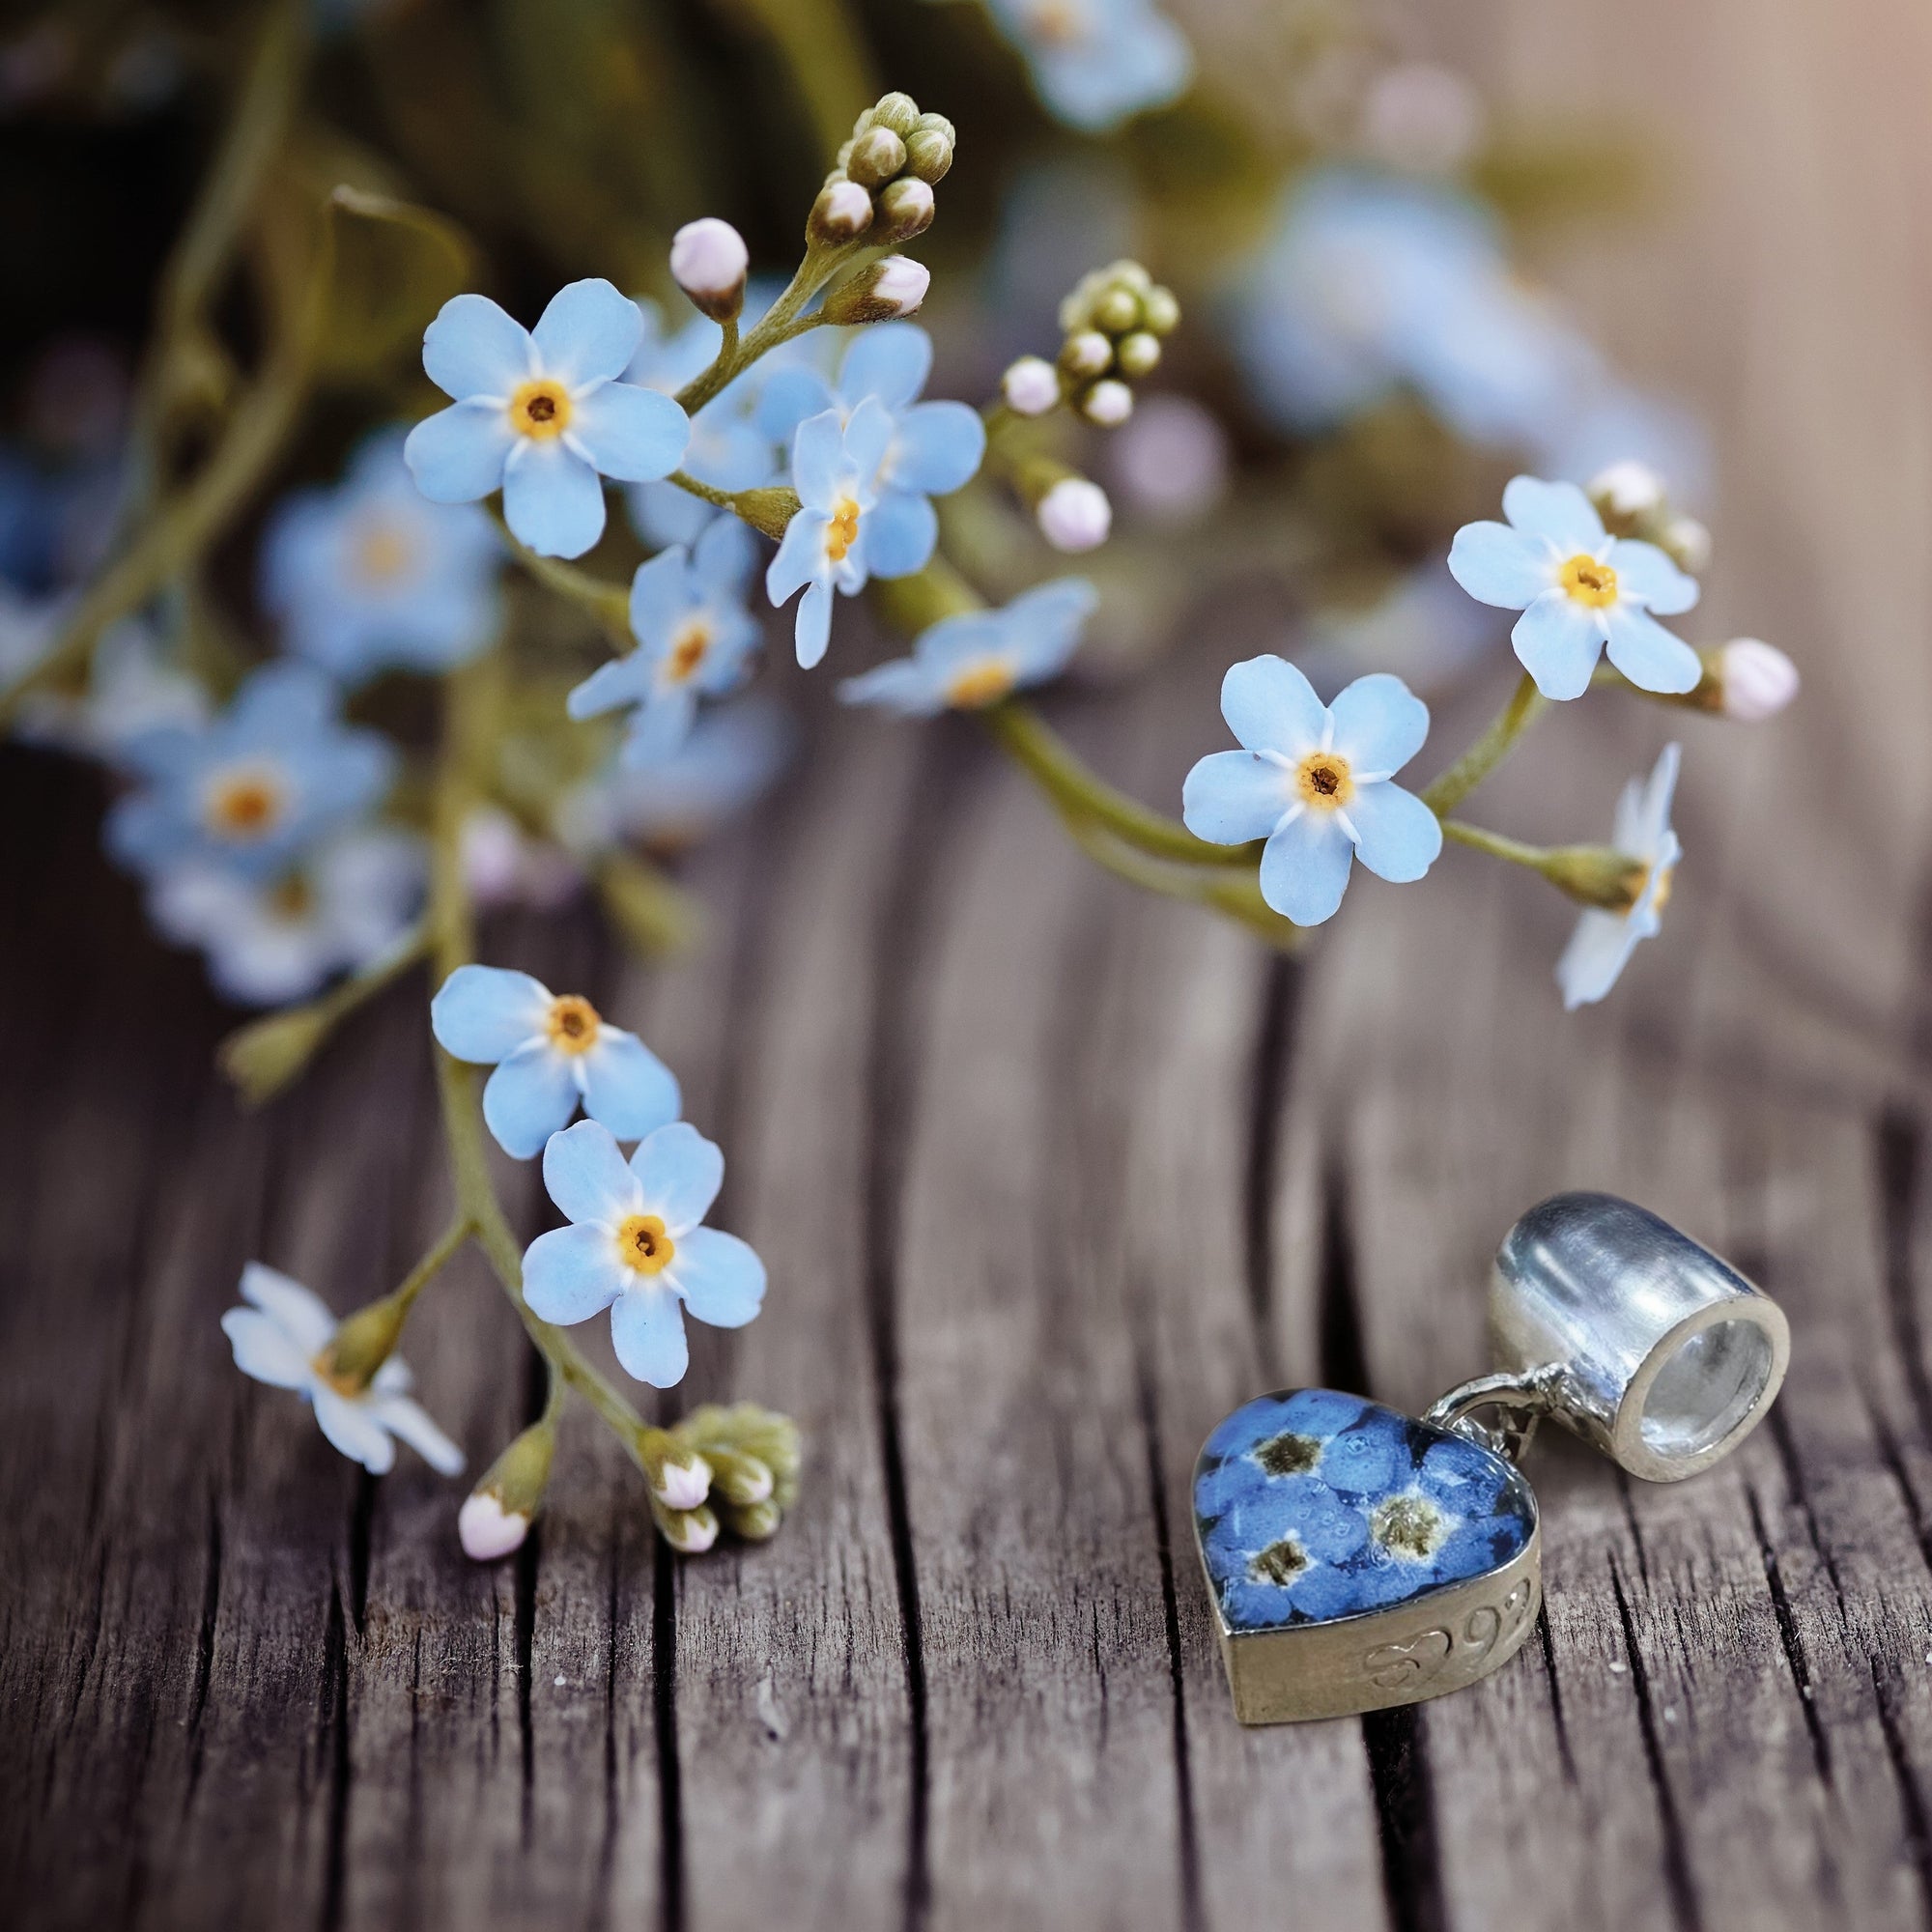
{"x": 1522, "y": 1402}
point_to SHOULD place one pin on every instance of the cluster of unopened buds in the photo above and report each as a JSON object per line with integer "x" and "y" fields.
{"x": 279, "y": 835}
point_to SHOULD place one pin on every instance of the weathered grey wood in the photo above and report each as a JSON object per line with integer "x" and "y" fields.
{"x": 1049, "y": 1176}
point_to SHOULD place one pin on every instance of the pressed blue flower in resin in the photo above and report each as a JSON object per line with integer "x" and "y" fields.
{"x": 1313, "y": 1505}
{"x": 370, "y": 575}
{"x": 276, "y": 771}
{"x": 694, "y": 640}
{"x": 931, "y": 450}
{"x": 541, "y": 414}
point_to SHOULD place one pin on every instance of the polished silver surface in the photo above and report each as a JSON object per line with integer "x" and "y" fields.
{"x": 1633, "y": 1335}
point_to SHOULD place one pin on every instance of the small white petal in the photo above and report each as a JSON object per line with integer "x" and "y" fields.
{"x": 487, "y": 1529}
{"x": 1075, "y": 515}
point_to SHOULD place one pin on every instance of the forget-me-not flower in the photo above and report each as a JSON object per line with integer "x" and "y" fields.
{"x": 1370, "y": 285}
{"x": 1579, "y": 589}
{"x": 1313, "y": 781}
{"x": 637, "y": 1247}
{"x": 1604, "y": 940}
{"x": 370, "y": 574}
{"x": 694, "y": 640}
{"x": 551, "y": 1051}
{"x": 834, "y": 466}
{"x": 540, "y": 413}
{"x": 932, "y": 450}
{"x": 1097, "y": 62}
{"x": 337, "y": 909}
{"x": 979, "y": 656}
{"x": 282, "y": 1337}
{"x": 275, "y": 773}
{"x": 728, "y": 449}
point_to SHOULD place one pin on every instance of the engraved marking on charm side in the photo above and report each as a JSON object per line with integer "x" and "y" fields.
{"x": 1398, "y": 1666}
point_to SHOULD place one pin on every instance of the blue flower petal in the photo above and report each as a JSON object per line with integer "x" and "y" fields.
{"x": 800, "y": 559}
{"x": 352, "y": 1429}
{"x": 813, "y": 630}
{"x": 1305, "y": 868}
{"x": 788, "y": 397}
{"x": 868, "y": 435}
{"x": 552, "y": 500}
{"x": 635, "y": 435}
{"x": 1271, "y": 706}
{"x": 622, "y": 681}
{"x": 1558, "y": 641}
{"x": 264, "y": 1350}
{"x": 647, "y": 1332}
{"x": 474, "y": 348}
{"x": 626, "y": 1085}
{"x": 938, "y": 448}
{"x": 659, "y": 727}
{"x": 1651, "y": 657}
{"x": 680, "y": 1173}
{"x": 889, "y": 360}
{"x": 1232, "y": 797}
{"x": 660, "y": 598}
{"x": 484, "y": 1014}
{"x": 818, "y": 459}
{"x": 720, "y": 1277}
{"x": 1557, "y": 511}
{"x": 1647, "y": 576}
{"x": 904, "y": 686}
{"x": 1044, "y": 624}
{"x": 1498, "y": 565}
{"x": 721, "y": 560}
{"x": 457, "y": 455}
{"x": 530, "y": 1097}
{"x": 901, "y": 532}
{"x": 588, "y": 1178}
{"x": 572, "y": 1273}
{"x": 588, "y": 332}
{"x": 1379, "y": 723}
{"x": 1397, "y": 837}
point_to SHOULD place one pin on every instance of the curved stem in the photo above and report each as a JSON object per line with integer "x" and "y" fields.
{"x": 1527, "y": 703}
{"x": 609, "y": 602}
{"x": 1535, "y": 857}
{"x": 779, "y": 324}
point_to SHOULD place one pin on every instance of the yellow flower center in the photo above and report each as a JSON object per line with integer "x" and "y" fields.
{"x": 842, "y": 532}
{"x": 1589, "y": 582}
{"x": 1322, "y": 779}
{"x": 540, "y": 409}
{"x": 1666, "y": 883}
{"x": 245, "y": 805}
{"x": 381, "y": 556}
{"x": 644, "y": 1244}
{"x": 980, "y": 684}
{"x": 687, "y": 650}
{"x": 571, "y": 1024}
{"x": 293, "y": 898}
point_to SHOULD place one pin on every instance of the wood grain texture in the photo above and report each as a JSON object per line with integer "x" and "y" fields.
{"x": 1049, "y": 1177}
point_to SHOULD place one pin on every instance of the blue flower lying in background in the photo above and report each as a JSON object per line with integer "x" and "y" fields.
{"x": 1603, "y": 941}
{"x": 369, "y": 576}
{"x": 549, "y": 1051}
{"x": 1578, "y": 589}
{"x": 1313, "y": 781}
{"x": 540, "y": 413}
{"x": 932, "y": 448}
{"x": 728, "y": 449}
{"x": 833, "y": 468}
{"x": 275, "y": 773}
{"x": 637, "y": 1247}
{"x": 280, "y": 1339}
{"x": 1372, "y": 284}
{"x": 694, "y": 640}
{"x": 978, "y": 658}
{"x": 1097, "y": 62}
{"x": 338, "y": 908}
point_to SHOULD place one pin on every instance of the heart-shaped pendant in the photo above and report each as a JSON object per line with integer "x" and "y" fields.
{"x": 1358, "y": 1559}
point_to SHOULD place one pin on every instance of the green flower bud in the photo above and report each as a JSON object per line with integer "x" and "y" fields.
{"x": 904, "y": 209}
{"x": 739, "y": 1479}
{"x": 897, "y": 111}
{"x": 1116, "y": 311}
{"x": 264, "y": 1056}
{"x": 1137, "y": 353}
{"x": 755, "y": 1522}
{"x": 875, "y": 158}
{"x": 1597, "y": 875}
{"x": 362, "y": 1342}
{"x": 929, "y": 154}
{"x": 1085, "y": 354}
{"x": 1160, "y": 312}
{"x": 500, "y": 1509}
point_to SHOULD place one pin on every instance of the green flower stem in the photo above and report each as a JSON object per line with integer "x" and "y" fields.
{"x": 1595, "y": 875}
{"x": 1527, "y": 703}
{"x": 1053, "y": 765}
{"x": 452, "y": 927}
{"x": 1514, "y": 851}
{"x": 779, "y": 323}
{"x": 262, "y": 1057}
{"x": 368, "y": 1339}
{"x": 609, "y": 602}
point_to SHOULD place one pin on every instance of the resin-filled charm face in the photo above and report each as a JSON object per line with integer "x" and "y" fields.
{"x": 1359, "y": 1558}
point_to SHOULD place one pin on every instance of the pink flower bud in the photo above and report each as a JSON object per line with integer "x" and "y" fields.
{"x": 489, "y": 1531}
{"x": 1075, "y": 515}
{"x": 1031, "y": 387}
{"x": 708, "y": 261}
{"x": 1755, "y": 680}
{"x": 1628, "y": 489}
{"x": 685, "y": 1485}
{"x": 1109, "y": 404}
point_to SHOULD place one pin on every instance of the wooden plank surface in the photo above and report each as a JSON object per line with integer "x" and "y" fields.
{"x": 1049, "y": 1177}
